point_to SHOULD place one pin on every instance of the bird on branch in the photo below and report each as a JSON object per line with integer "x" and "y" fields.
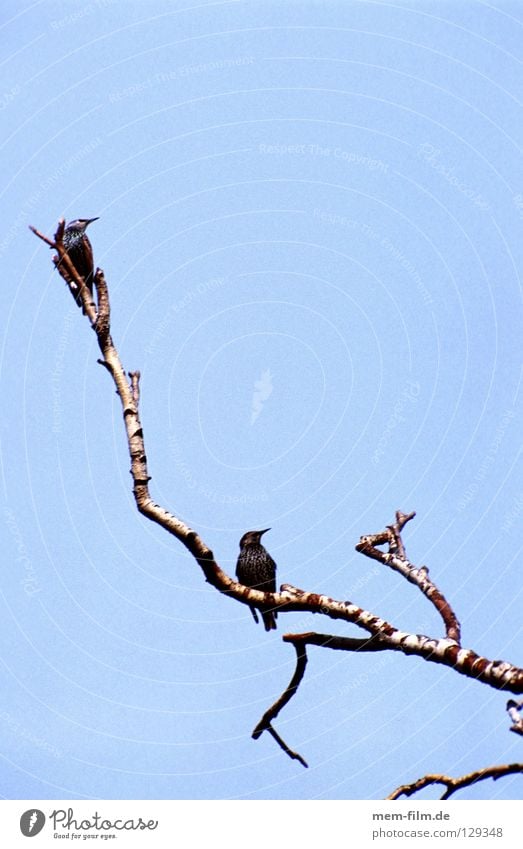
{"x": 256, "y": 569}
{"x": 80, "y": 253}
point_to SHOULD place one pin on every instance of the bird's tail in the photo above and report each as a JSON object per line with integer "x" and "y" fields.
{"x": 269, "y": 619}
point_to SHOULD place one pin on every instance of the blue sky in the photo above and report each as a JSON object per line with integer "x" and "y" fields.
{"x": 311, "y": 226}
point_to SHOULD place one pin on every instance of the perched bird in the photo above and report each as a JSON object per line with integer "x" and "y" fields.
{"x": 256, "y": 569}
{"x": 80, "y": 253}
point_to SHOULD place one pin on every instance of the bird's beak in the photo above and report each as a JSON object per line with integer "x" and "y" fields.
{"x": 263, "y": 532}
{"x": 90, "y": 220}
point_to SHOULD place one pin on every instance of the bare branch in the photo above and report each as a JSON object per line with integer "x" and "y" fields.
{"x": 396, "y": 559}
{"x": 330, "y": 641}
{"x": 135, "y": 386}
{"x": 514, "y": 709}
{"x": 383, "y": 635}
{"x": 498, "y": 674}
{"x": 396, "y": 543}
{"x": 454, "y": 784}
{"x": 283, "y": 745}
{"x": 495, "y": 673}
{"x": 300, "y": 641}
{"x": 265, "y": 723}
{"x": 103, "y": 319}
{"x": 42, "y": 237}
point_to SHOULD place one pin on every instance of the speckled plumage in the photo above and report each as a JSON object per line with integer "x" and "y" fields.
{"x": 80, "y": 253}
{"x": 256, "y": 569}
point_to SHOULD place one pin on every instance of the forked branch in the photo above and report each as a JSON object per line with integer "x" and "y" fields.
{"x": 265, "y": 723}
{"x": 395, "y": 558}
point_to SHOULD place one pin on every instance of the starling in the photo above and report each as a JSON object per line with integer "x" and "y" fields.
{"x": 256, "y": 569}
{"x": 80, "y": 253}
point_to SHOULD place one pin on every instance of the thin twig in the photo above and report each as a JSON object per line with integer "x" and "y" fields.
{"x": 43, "y": 237}
{"x": 300, "y": 641}
{"x": 265, "y": 723}
{"x": 283, "y": 745}
{"x": 396, "y": 543}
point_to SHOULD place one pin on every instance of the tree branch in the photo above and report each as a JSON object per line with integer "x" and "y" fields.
{"x": 383, "y": 635}
{"x": 454, "y": 784}
{"x": 495, "y": 673}
{"x": 397, "y": 560}
{"x": 300, "y": 641}
{"x": 265, "y": 723}
{"x": 514, "y": 709}
{"x": 330, "y": 641}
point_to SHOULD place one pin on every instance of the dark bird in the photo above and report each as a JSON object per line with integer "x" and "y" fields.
{"x": 80, "y": 253}
{"x": 256, "y": 569}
